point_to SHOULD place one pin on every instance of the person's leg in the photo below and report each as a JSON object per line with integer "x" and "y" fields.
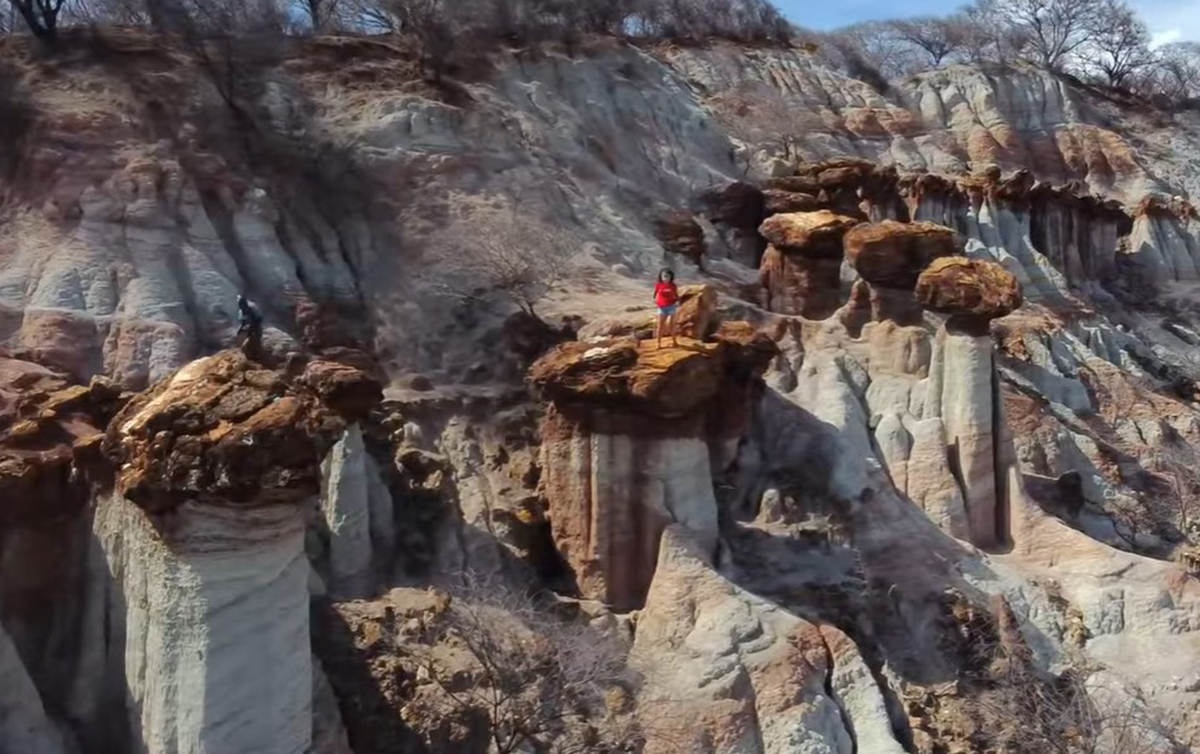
{"x": 658, "y": 329}
{"x": 671, "y": 328}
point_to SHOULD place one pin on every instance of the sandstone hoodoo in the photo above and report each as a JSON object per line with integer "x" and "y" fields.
{"x": 629, "y": 446}
{"x": 970, "y": 290}
{"x": 800, "y": 269}
{"x": 963, "y": 389}
{"x": 890, "y": 256}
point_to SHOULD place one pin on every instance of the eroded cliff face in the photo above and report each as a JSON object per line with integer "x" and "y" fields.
{"x": 924, "y": 424}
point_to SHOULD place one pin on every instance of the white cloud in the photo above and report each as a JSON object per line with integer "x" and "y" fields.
{"x": 1160, "y": 38}
{"x": 1170, "y": 20}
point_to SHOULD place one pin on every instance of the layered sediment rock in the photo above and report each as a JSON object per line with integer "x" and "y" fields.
{"x": 890, "y": 256}
{"x": 801, "y": 269}
{"x": 729, "y": 671}
{"x": 1166, "y": 240}
{"x": 628, "y": 446}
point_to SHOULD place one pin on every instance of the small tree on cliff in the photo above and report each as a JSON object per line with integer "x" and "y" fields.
{"x": 534, "y": 680}
{"x": 1121, "y": 43}
{"x": 499, "y": 253}
{"x": 761, "y": 117}
{"x": 938, "y": 38}
{"x": 41, "y": 16}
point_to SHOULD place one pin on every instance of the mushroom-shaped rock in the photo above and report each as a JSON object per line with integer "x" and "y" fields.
{"x": 975, "y": 288}
{"x": 628, "y": 443}
{"x": 893, "y": 255}
{"x": 817, "y": 234}
{"x": 223, "y": 430}
{"x": 800, "y": 284}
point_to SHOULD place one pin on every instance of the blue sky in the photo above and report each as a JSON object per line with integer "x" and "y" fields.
{"x": 1169, "y": 20}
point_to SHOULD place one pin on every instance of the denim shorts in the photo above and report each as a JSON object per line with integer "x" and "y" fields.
{"x": 668, "y": 311}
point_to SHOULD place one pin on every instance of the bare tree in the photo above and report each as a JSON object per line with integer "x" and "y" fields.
{"x": 41, "y": 16}
{"x": 1056, "y": 29}
{"x": 1175, "y": 465}
{"x": 535, "y": 680}
{"x": 502, "y": 254}
{"x": 1120, "y": 44}
{"x": 761, "y": 117}
{"x": 321, "y": 13}
{"x": 988, "y": 35}
{"x": 435, "y": 27}
{"x": 878, "y": 45}
{"x": 370, "y": 15}
{"x": 1176, "y": 73}
{"x": 939, "y": 38}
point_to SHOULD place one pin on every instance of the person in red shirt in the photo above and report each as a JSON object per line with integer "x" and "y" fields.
{"x": 666, "y": 298}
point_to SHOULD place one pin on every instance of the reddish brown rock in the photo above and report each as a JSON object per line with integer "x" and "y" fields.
{"x": 697, "y": 315}
{"x": 680, "y": 234}
{"x": 814, "y": 234}
{"x": 802, "y": 184}
{"x": 346, "y": 389}
{"x": 800, "y": 285}
{"x": 48, "y": 431}
{"x": 222, "y": 429}
{"x": 781, "y": 202}
{"x": 892, "y": 254}
{"x": 973, "y": 288}
{"x": 664, "y": 382}
{"x": 738, "y": 205}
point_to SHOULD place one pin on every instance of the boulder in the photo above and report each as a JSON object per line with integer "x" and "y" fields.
{"x": 738, "y": 205}
{"x": 893, "y": 255}
{"x": 342, "y": 387}
{"x": 781, "y": 202}
{"x": 680, "y": 234}
{"x": 817, "y": 234}
{"x": 622, "y": 373}
{"x": 975, "y": 288}
{"x": 697, "y": 311}
{"x": 223, "y": 430}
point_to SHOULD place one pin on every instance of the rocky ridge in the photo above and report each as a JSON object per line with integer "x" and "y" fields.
{"x": 898, "y": 460}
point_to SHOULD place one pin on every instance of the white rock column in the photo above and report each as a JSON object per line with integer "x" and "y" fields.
{"x": 217, "y": 655}
{"x": 346, "y": 509}
{"x": 612, "y": 495}
{"x": 962, "y": 393}
{"x": 24, "y": 725}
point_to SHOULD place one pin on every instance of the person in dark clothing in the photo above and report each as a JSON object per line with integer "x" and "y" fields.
{"x": 250, "y": 328}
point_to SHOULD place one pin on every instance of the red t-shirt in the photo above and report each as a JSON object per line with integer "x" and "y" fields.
{"x": 665, "y": 294}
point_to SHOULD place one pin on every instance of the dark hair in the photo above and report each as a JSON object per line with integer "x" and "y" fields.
{"x": 667, "y": 271}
